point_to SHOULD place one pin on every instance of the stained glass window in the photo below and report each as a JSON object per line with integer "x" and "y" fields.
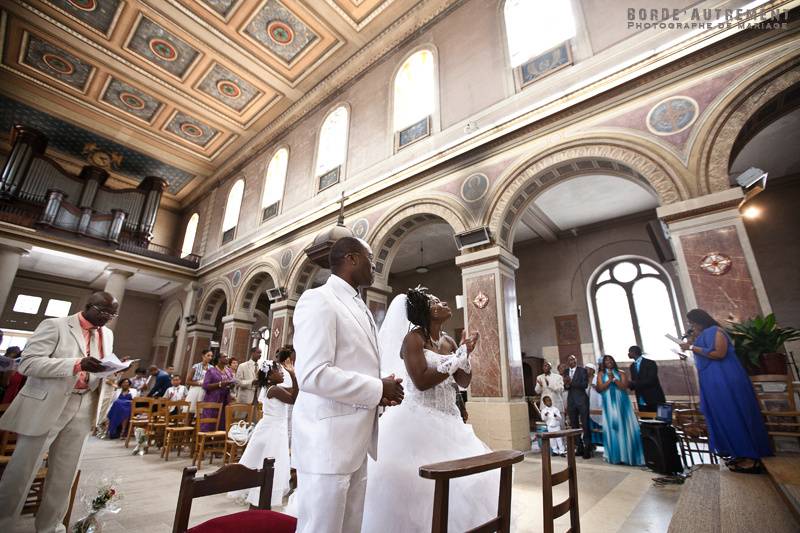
{"x": 332, "y": 148}
{"x": 535, "y": 26}
{"x": 189, "y": 235}
{"x": 414, "y": 90}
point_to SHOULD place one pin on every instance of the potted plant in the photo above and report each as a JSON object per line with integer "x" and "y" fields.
{"x": 757, "y": 342}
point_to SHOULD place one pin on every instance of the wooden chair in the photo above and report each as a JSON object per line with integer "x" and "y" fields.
{"x": 141, "y": 411}
{"x": 179, "y": 431}
{"x": 442, "y": 473}
{"x": 692, "y": 431}
{"x": 8, "y": 442}
{"x": 158, "y": 423}
{"x": 549, "y": 480}
{"x": 230, "y": 478}
{"x": 776, "y": 397}
{"x": 233, "y": 414}
{"x": 212, "y": 441}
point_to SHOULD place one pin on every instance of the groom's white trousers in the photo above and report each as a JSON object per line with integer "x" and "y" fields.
{"x": 331, "y": 503}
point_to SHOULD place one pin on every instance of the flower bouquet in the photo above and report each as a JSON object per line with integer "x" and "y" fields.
{"x": 141, "y": 441}
{"x": 105, "y": 499}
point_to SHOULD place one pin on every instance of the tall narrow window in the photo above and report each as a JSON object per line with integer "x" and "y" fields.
{"x": 189, "y": 235}
{"x": 232, "y": 207}
{"x": 274, "y": 183}
{"x": 332, "y": 148}
{"x": 633, "y": 304}
{"x": 533, "y": 27}
{"x": 414, "y": 98}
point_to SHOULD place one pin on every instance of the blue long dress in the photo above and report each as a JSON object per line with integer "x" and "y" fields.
{"x": 728, "y": 402}
{"x": 622, "y": 440}
{"x": 118, "y": 414}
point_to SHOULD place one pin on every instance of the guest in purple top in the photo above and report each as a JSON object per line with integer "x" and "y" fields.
{"x": 217, "y": 383}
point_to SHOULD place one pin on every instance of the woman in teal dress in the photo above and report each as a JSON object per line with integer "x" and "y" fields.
{"x": 622, "y": 441}
{"x": 735, "y": 425}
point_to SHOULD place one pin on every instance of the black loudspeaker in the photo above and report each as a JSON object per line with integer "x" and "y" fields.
{"x": 660, "y": 447}
{"x": 658, "y": 236}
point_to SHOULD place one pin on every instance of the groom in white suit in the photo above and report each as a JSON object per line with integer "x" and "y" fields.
{"x": 335, "y": 417}
{"x": 55, "y": 410}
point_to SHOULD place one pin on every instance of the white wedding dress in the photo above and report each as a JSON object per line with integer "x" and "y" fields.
{"x": 425, "y": 428}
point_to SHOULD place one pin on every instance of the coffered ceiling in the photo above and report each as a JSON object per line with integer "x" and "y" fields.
{"x": 192, "y": 82}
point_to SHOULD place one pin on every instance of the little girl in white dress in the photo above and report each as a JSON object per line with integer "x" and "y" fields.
{"x": 270, "y": 437}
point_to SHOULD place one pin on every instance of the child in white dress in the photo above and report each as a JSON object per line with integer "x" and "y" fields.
{"x": 552, "y": 417}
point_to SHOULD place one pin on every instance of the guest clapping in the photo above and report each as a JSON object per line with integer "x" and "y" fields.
{"x": 622, "y": 441}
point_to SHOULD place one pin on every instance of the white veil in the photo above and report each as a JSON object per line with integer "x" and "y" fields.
{"x": 390, "y": 337}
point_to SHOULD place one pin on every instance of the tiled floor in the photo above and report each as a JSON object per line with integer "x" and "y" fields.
{"x": 611, "y": 498}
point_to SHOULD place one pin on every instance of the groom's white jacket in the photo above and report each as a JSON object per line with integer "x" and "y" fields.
{"x": 334, "y": 420}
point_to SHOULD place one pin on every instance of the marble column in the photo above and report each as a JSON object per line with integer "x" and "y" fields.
{"x": 115, "y": 286}
{"x": 10, "y": 255}
{"x": 377, "y": 300}
{"x": 236, "y": 329}
{"x": 281, "y": 326}
{"x": 716, "y": 266}
{"x": 496, "y": 406}
{"x": 198, "y": 340}
{"x": 179, "y": 359}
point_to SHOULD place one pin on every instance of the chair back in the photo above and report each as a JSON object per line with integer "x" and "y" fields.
{"x": 177, "y": 413}
{"x": 692, "y": 430}
{"x": 228, "y": 478}
{"x": 202, "y": 419}
{"x": 442, "y": 473}
{"x": 159, "y": 410}
{"x": 776, "y": 397}
{"x": 549, "y": 480}
{"x": 238, "y": 411}
{"x": 142, "y": 408}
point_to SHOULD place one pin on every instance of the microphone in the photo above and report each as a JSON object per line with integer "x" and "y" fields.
{"x": 689, "y": 333}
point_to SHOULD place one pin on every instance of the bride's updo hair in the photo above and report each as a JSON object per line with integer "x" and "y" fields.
{"x": 418, "y": 309}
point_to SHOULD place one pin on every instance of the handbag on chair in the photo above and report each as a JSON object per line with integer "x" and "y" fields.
{"x": 240, "y": 432}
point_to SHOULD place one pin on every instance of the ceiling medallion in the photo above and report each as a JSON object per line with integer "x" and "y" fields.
{"x": 716, "y": 263}
{"x": 229, "y": 89}
{"x": 191, "y": 130}
{"x": 481, "y": 300}
{"x": 131, "y": 100}
{"x": 58, "y": 63}
{"x": 163, "y": 50}
{"x": 672, "y": 115}
{"x": 84, "y": 5}
{"x": 280, "y": 32}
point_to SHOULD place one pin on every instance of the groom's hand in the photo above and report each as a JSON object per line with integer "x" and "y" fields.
{"x": 392, "y": 391}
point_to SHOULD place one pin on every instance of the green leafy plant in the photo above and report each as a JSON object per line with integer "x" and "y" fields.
{"x": 759, "y": 335}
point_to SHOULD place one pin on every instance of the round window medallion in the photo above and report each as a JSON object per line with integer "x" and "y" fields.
{"x": 84, "y": 5}
{"x": 280, "y": 32}
{"x": 237, "y": 278}
{"x": 672, "y": 115}
{"x": 229, "y": 89}
{"x": 191, "y": 130}
{"x": 286, "y": 258}
{"x": 716, "y": 263}
{"x": 474, "y": 187}
{"x": 163, "y": 50}
{"x": 58, "y": 63}
{"x": 131, "y": 100}
{"x": 360, "y": 228}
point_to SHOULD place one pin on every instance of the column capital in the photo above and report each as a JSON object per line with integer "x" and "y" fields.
{"x": 495, "y": 254}
{"x": 201, "y": 330}
{"x": 116, "y": 271}
{"x": 283, "y": 305}
{"x": 14, "y": 247}
{"x": 239, "y": 316}
{"x": 727, "y": 200}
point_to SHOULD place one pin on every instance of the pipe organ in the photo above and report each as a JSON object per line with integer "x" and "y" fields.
{"x": 79, "y": 204}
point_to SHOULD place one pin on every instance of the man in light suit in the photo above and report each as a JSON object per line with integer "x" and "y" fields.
{"x": 55, "y": 409}
{"x": 247, "y": 378}
{"x": 335, "y": 417}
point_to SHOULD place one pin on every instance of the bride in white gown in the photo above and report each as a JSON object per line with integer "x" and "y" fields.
{"x": 427, "y": 426}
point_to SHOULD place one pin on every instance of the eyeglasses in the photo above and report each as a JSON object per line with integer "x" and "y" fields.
{"x": 103, "y": 312}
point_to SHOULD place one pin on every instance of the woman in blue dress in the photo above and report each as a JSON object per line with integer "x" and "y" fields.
{"x": 120, "y": 410}
{"x": 727, "y": 400}
{"x": 622, "y": 441}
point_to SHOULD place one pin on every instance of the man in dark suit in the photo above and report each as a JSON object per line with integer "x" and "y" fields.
{"x": 576, "y": 381}
{"x": 163, "y": 381}
{"x": 644, "y": 381}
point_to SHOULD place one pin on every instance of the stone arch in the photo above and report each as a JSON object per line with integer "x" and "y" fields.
{"x": 169, "y": 316}
{"x": 302, "y": 276}
{"x": 566, "y": 161}
{"x": 723, "y": 128}
{"x": 218, "y": 293}
{"x": 257, "y": 279}
{"x": 414, "y": 213}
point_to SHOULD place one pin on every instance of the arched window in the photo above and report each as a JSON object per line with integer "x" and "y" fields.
{"x": 274, "y": 183}
{"x": 633, "y": 303}
{"x": 414, "y": 98}
{"x": 534, "y": 27}
{"x": 189, "y": 234}
{"x": 332, "y": 148}
{"x": 232, "y": 207}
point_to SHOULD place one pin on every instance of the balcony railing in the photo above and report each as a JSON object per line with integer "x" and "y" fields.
{"x": 162, "y": 253}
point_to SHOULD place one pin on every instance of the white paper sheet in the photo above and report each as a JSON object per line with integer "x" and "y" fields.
{"x": 112, "y": 365}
